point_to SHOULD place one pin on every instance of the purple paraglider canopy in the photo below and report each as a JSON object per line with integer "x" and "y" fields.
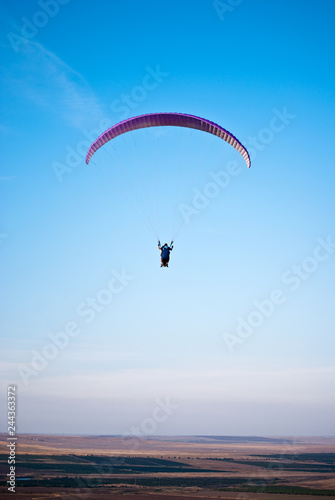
{"x": 165, "y": 120}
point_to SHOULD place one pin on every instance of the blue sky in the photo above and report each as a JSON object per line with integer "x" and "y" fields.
{"x": 239, "y": 331}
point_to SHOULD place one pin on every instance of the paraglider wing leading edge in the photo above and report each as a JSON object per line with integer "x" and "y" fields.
{"x": 164, "y": 120}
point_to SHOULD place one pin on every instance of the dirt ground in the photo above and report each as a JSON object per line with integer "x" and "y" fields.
{"x": 103, "y": 445}
{"x": 141, "y": 494}
{"x": 195, "y": 452}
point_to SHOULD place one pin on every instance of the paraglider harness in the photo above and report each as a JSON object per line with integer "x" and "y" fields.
{"x": 165, "y": 253}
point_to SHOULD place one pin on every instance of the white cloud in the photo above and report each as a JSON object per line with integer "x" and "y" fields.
{"x": 41, "y": 77}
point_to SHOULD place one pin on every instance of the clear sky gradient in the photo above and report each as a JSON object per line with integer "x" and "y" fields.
{"x": 238, "y": 333}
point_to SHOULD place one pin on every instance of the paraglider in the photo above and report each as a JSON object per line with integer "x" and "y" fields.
{"x": 165, "y": 253}
{"x": 164, "y": 120}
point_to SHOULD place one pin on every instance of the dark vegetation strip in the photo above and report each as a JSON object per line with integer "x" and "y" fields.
{"x": 69, "y": 482}
{"x": 221, "y": 484}
{"x": 296, "y": 465}
{"x": 284, "y": 490}
{"x": 134, "y": 461}
{"x": 95, "y": 459}
{"x": 107, "y": 468}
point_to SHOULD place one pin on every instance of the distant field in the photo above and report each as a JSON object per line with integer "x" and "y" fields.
{"x": 185, "y": 467}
